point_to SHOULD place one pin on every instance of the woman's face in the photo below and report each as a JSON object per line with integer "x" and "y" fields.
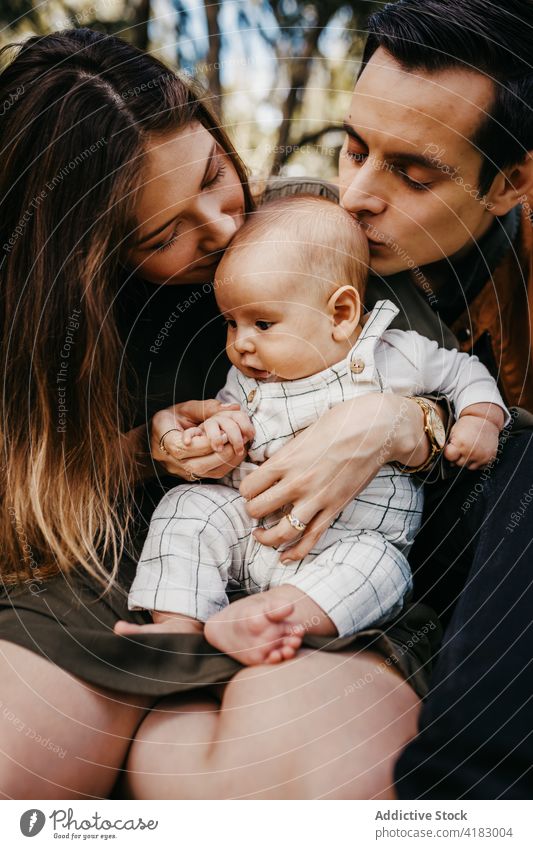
{"x": 190, "y": 205}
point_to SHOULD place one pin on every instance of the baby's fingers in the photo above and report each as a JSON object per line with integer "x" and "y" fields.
{"x": 190, "y": 433}
{"x": 215, "y": 434}
{"x": 233, "y": 433}
{"x": 452, "y": 452}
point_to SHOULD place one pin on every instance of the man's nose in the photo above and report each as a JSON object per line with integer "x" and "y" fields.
{"x": 364, "y": 192}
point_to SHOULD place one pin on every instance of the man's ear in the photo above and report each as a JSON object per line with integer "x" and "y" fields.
{"x": 510, "y": 186}
{"x": 344, "y": 307}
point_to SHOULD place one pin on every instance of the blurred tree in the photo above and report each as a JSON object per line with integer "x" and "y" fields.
{"x": 127, "y": 19}
{"x": 140, "y": 27}
{"x": 213, "y": 53}
{"x": 301, "y": 29}
{"x": 14, "y": 12}
{"x": 300, "y": 60}
{"x": 293, "y": 33}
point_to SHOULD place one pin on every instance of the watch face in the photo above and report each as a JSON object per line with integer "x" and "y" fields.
{"x": 439, "y": 430}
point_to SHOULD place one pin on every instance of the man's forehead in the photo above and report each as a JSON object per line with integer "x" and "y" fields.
{"x": 419, "y": 107}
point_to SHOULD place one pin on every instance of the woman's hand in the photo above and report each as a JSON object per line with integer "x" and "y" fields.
{"x": 329, "y": 463}
{"x": 198, "y": 459}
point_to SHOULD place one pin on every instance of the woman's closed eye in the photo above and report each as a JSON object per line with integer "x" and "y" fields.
{"x": 220, "y": 170}
{"x": 220, "y": 166}
{"x": 168, "y": 243}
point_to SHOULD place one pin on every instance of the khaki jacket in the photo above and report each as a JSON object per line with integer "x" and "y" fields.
{"x": 504, "y": 309}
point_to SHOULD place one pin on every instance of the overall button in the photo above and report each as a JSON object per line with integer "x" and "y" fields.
{"x": 251, "y": 395}
{"x": 357, "y": 365}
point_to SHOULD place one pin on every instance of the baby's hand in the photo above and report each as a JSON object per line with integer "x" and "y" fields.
{"x": 474, "y": 437}
{"x": 232, "y": 426}
{"x": 189, "y": 435}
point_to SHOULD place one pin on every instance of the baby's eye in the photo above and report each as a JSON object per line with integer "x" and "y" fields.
{"x": 264, "y": 325}
{"x": 231, "y": 322}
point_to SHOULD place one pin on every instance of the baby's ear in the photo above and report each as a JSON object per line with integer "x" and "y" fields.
{"x": 344, "y": 306}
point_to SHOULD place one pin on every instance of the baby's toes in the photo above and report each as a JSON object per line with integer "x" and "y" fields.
{"x": 274, "y": 656}
{"x": 288, "y": 651}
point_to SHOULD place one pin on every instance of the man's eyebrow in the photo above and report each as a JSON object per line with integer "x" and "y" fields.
{"x": 434, "y": 164}
{"x": 349, "y": 130}
{"x": 164, "y": 226}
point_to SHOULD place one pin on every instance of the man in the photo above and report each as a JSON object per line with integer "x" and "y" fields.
{"x": 437, "y": 167}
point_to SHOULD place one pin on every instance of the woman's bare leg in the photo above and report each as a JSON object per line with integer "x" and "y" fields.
{"x": 324, "y": 725}
{"x": 60, "y": 738}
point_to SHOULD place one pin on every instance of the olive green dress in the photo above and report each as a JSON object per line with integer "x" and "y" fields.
{"x": 174, "y": 342}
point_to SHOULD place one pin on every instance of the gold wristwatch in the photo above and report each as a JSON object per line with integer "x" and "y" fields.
{"x": 436, "y": 433}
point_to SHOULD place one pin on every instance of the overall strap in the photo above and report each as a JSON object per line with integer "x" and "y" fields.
{"x": 360, "y": 361}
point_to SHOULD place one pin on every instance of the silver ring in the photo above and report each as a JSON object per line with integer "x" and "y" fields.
{"x": 162, "y": 440}
{"x": 295, "y": 523}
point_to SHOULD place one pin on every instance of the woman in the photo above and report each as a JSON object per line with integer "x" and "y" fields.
{"x": 119, "y": 194}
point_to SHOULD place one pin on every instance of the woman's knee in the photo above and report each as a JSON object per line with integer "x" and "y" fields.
{"x": 59, "y": 736}
{"x": 302, "y": 730}
{"x": 170, "y": 756}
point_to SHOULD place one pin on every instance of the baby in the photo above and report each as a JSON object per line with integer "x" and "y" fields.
{"x": 290, "y": 286}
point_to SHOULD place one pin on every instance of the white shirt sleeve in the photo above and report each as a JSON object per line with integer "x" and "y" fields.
{"x": 231, "y": 392}
{"x": 459, "y": 376}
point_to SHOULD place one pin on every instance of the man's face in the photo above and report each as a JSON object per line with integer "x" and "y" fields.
{"x": 408, "y": 169}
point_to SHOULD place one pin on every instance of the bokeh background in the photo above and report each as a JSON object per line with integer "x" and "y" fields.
{"x": 279, "y": 73}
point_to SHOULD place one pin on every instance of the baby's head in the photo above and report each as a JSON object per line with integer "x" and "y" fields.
{"x": 290, "y": 285}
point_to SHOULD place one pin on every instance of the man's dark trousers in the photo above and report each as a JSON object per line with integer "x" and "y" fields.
{"x": 476, "y": 728}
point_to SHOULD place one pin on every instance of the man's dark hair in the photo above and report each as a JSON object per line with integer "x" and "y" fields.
{"x": 481, "y": 35}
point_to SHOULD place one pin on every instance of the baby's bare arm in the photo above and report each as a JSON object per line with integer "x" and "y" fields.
{"x": 474, "y": 437}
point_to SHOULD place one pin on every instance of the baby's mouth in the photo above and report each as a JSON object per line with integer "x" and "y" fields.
{"x": 260, "y": 374}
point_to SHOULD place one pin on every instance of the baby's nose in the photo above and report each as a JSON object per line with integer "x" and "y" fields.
{"x": 244, "y": 343}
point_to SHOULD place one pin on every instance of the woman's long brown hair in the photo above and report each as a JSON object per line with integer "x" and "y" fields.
{"x": 77, "y": 108}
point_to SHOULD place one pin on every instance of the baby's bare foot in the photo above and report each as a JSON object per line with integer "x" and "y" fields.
{"x": 255, "y": 630}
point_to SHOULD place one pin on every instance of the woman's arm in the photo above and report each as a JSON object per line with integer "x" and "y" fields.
{"x": 329, "y": 463}
{"x": 137, "y": 442}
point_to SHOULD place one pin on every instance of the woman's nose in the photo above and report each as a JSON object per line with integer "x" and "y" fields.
{"x": 363, "y": 192}
{"x": 217, "y": 230}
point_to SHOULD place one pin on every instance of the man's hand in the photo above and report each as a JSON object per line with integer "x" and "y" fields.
{"x": 329, "y": 463}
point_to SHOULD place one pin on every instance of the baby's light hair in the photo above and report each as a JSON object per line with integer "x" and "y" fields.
{"x": 330, "y": 244}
